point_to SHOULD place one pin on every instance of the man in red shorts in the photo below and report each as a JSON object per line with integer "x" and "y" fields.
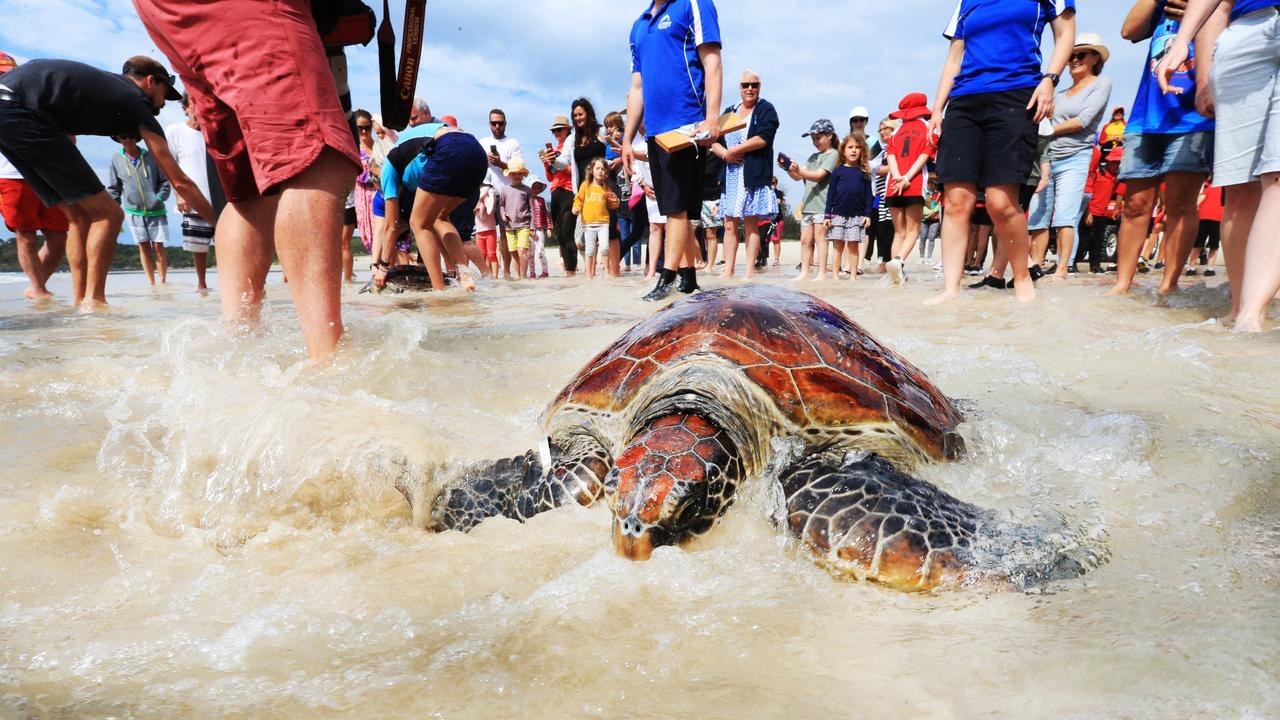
{"x": 260, "y": 83}
{"x": 25, "y": 215}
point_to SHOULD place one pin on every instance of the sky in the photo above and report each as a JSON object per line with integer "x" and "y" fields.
{"x": 533, "y": 57}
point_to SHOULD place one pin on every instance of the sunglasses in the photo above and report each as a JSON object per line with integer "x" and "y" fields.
{"x": 750, "y": 86}
{"x": 858, "y": 120}
{"x": 1080, "y": 56}
{"x": 497, "y": 122}
{"x": 365, "y": 128}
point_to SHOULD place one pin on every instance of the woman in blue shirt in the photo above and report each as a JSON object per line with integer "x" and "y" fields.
{"x": 990, "y": 100}
{"x": 1166, "y": 141}
{"x": 1246, "y": 97}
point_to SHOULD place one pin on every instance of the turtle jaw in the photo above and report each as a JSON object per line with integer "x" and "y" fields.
{"x": 634, "y": 540}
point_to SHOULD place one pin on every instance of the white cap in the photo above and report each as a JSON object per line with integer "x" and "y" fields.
{"x": 859, "y": 112}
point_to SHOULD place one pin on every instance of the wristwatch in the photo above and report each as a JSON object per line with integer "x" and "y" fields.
{"x": 1052, "y": 76}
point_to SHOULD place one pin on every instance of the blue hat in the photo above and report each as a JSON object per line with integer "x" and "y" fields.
{"x": 820, "y": 126}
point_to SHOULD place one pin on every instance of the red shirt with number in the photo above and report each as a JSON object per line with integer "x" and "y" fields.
{"x": 908, "y": 143}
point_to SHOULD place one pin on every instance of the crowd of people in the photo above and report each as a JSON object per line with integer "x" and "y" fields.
{"x": 1003, "y": 160}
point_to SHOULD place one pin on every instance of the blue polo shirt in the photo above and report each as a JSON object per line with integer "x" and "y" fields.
{"x": 1244, "y": 7}
{"x": 1001, "y": 42}
{"x": 408, "y": 177}
{"x": 664, "y": 50}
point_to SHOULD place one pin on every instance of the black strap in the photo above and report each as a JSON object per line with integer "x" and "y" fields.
{"x": 398, "y": 86}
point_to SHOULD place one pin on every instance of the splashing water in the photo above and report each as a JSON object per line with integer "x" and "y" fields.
{"x": 198, "y": 523}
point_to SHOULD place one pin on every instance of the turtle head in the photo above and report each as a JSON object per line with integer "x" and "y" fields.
{"x": 672, "y": 482}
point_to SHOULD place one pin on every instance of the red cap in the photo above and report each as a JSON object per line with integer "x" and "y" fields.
{"x": 1116, "y": 154}
{"x": 914, "y": 105}
{"x": 7, "y": 63}
{"x": 449, "y": 120}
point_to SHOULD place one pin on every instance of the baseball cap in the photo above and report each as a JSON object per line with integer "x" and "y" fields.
{"x": 7, "y": 63}
{"x": 143, "y": 65}
{"x": 820, "y": 126}
{"x": 859, "y": 112}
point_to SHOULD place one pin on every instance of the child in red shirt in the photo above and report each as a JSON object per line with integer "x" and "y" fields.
{"x": 1104, "y": 207}
{"x": 909, "y": 151}
{"x": 1208, "y": 235}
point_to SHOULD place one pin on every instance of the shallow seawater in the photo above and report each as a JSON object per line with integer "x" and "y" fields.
{"x": 198, "y": 523}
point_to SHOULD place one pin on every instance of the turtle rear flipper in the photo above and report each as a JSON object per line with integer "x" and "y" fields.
{"x": 868, "y": 520}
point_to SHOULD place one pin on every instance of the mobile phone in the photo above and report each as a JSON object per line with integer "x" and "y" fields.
{"x": 549, "y": 148}
{"x": 493, "y": 149}
{"x": 783, "y": 160}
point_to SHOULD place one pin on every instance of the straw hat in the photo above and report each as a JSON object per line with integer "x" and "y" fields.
{"x": 1093, "y": 41}
{"x": 516, "y": 167}
{"x": 560, "y": 122}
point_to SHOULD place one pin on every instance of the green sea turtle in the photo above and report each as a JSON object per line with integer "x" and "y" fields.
{"x": 668, "y": 422}
{"x": 401, "y": 279}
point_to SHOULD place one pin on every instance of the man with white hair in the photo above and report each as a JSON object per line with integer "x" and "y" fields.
{"x": 420, "y": 113}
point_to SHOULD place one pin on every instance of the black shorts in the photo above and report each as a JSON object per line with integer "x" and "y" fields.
{"x": 988, "y": 139}
{"x": 980, "y": 216}
{"x": 349, "y": 216}
{"x": 678, "y": 179}
{"x": 46, "y": 157}
{"x": 457, "y": 166}
{"x": 1209, "y": 235}
{"x": 904, "y": 202}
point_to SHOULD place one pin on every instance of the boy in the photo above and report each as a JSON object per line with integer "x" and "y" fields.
{"x": 1105, "y": 206}
{"x": 137, "y": 184}
{"x": 515, "y": 205}
{"x": 541, "y": 230}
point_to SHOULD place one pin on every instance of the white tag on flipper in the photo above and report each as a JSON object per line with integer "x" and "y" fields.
{"x": 544, "y": 452}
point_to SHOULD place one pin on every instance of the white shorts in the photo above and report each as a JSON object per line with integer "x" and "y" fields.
{"x": 148, "y": 229}
{"x": 197, "y": 235}
{"x": 1245, "y": 90}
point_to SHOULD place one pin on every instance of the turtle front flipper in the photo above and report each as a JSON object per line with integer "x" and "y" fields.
{"x": 519, "y": 488}
{"x": 868, "y": 520}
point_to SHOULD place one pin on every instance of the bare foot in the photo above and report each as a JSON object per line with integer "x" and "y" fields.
{"x": 1024, "y": 290}
{"x": 36, "y": 294}
{"x": 1117, "y": 291}
{"x": 749, "y": 276}
{"x": 88, "y": 306}
{"x": 1248, "y": 324}
{"x": 1165, "y": 292}
{"x": 945, "y": 296}
{"x": 1228, "y": 319}
{"x": 466, "y": 281}
{"x": 801, "y": 278}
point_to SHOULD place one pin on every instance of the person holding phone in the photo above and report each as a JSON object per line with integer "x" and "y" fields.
{"x": 502, "y": 151}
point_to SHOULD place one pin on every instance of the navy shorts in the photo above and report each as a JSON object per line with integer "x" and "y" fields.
{"x": 988, "y": 139}
{"x": 678, "y": 179}
{"x": 46, "y": 157}
{"x": 456, "y": 167}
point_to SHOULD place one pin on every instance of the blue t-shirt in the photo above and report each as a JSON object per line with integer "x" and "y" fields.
{"x": 1244, "y": 7}
{"x": 1159, "y": 114}
{"x": 1001, "y": 42}
{"x": 407, "y": 177}
{"x": 664, "y": 50}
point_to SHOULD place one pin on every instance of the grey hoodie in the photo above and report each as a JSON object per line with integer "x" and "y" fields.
{"x": 140, "y": 189}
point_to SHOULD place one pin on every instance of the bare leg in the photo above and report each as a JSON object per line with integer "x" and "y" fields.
{"x": 910, "y": 218}
{"x": 656, "y": 240}
{"x": 162, "y": 262}
{"x": 1261, "y": 277}
{"x": 148, "y": 262}
{"x": 77, "y": 258}
{"x": 837, "y": 258}
{"x": 51, "y": 253}
{"x": 1039, "y": 245}
{"x": 1066, "y": 250}
{"x": 752, "y": 229}
{"x": 1181, "y": 221}
{"x": 820, "y": 243}
{"x": 202, "y": 267}
{"x": 854, "y": 250}
{"x": 100, "y": 219}
{"x": 806, "y": 251}
{"x": 348, "y": 261}
{"x": 955, "y": 239}
{"x": 29, "y": 259}
{"x": 613, "y": 264}
{"x": 453, "y": 251}
{"x": 713, "y": 243}
{"x": 307, "y": 225}
{"x": 430, "y": 224}
{"x": 1238, "y": 211}
{"x": 731, "y": 247}
{"x": 476, "y": 256}
{"x": 1011, "y": 230}
{"x": 1139, "y": 197}
{"x": 679, "y": 237}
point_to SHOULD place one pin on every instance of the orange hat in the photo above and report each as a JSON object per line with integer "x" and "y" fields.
{"x": 1116, "y": 154}
{"x": 449, "y": 120}
{"x": 7, "y": 63}
{"x": 913, "y": 105}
